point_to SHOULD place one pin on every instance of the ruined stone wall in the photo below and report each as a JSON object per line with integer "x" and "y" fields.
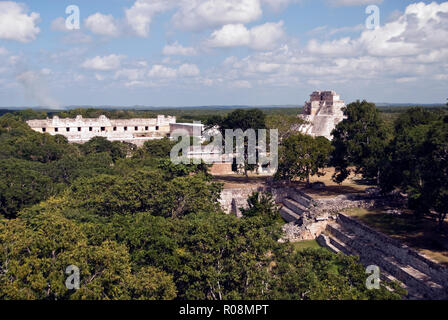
{"x": 235, "y": 198}
{"x": 332, "y": 206}
{"x": 221, "y": 169}
{"x": 321, "y": 212}
{"x": 192, "y": 129}
{"x": 405, "y": 254}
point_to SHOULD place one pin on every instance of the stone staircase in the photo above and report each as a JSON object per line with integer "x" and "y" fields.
{"x": 423, "y": 278}
{"x": 295, "y": 205}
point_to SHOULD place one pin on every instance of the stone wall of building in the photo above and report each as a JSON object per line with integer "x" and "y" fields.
{"x": 233, "y": 199}
{"x": 218, "y": 169}
{"x": 322, "y": 113}
{"x": 191, "y": 129}
{"x": 81, "y": 130}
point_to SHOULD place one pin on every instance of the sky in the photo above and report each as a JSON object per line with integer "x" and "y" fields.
{"x": 221, "y": 52}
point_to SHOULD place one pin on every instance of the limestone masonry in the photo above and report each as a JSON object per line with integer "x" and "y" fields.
{"x": 322, "y": 113}
{"x": 136, "y": 131}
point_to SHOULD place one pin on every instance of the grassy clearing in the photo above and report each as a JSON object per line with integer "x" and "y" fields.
{"x": 420, "y": 234}
{"x": 307, "y": 244}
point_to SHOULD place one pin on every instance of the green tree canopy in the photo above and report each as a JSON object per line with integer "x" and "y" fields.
{"x": 359, "y": 141}
{"x": 34, "y": 257}
{"x": 240, "y": 119}
{"x": 115, "y": 149}
{"x": 302, "y": 156}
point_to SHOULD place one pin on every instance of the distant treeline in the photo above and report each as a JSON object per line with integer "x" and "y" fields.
{"x": 184, "y": 114}
{"x": 392, "y": 109}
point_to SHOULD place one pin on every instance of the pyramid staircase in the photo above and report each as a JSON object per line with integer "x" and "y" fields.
{"x": 294, "y": 206}
{"x": 423, "y": 278}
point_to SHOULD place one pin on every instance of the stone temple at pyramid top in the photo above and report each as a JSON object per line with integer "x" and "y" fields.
{"x": 322, "y": 114}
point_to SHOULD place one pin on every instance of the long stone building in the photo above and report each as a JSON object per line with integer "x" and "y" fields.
{"x": 322, "y": 114}
{"x": 81, "y": 130}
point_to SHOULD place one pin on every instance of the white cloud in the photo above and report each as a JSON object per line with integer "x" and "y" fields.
{"x": 325, "y": 30}
{"x": 261, "y": 37}
{"x": 99, "y": 77}
{"x": 241, "y": 84}
{"x": 160, "y": 71}
{"x": 58, "y": 24}
{"x": 266, "y": 36}
{"x": 410, "y": 49}
{"x": 78, "y": 77}
{"x": 278, "y": 5}
{"x": 75, "y": 37}
{"x": 343, "y": 46}
{"x": 16, "y": 24}
{"x": 106, "y": 63}
{"x": 140, "y": 15}
{"x": 177, "y": 49}
{"x": 130, "y": 74}
{"x": 264, "y": 67}
{"x": 45, "y": 72}
{"x": 198, "y": 14}
{"x": 406, "y": 79}
{"x": 185, "y": 70}
{"x": 340, "y": 3}
{"x": 193, "y": 15}
{"x": 441, "y": 77}
{"x": 421, "y": 28}
{"x": 101, "y": 24}
{"x": 231, "y": 35}
{"x": 188, "y": 70}
{"x": 3, "y": 51}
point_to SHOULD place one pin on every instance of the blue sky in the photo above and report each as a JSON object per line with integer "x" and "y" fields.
{"x": 221, "y": 52}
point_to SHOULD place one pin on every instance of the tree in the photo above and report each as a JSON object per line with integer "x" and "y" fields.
{"x": 149, "y": 283}
{"x": 435, "y": 183}
{"x": 115, "y": 149}
{"x": 158, "y": 148}
{"x": 35, "y": 254}
{"x": 181, "y": 170}
{"x": 285, "y": 124}
{"x": 241, "y": 119}
{"x": 417, "y": 162}
{"x": 359, "y": 141}
{"x": 402, "y": 166}
{"x": 22, "y": 184}
{"x": 69, "y": 168}
{"x": 262, "y": 205}
{"x": 142, "y": 191}
{"x": 17, "y": 140}
{"x": 302, "y": 156}
{"x": 321, "y": 275}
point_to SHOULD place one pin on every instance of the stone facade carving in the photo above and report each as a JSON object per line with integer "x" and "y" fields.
{"x": 81, "y": 130}
{"x": 322, "y": 113}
